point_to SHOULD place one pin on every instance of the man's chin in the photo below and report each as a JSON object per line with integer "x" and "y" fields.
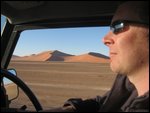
{"x": 116, "y": 69}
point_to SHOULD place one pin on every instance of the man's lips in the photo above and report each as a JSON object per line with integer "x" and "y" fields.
{"x": 112, "y": 54}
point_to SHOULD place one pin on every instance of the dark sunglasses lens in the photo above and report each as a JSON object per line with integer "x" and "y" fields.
{"x": 117, "y": 27}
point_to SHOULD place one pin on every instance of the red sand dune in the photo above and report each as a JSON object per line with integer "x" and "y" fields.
{"x": 60, "y": 56}
{"x": 86, "y": 58}
{"x": 36, "y": 57}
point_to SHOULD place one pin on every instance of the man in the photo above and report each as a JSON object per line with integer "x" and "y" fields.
{"x": 129, "y": 48}
{"x": 128, "y": 42}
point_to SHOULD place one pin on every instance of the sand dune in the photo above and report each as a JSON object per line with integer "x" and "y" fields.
{"x": 44, "y": 56}
{"x": 86, "y": 58}
{"x": 14, "y": 57}
{"x": 60, "y": 56}
{"x": 36, "y": 57}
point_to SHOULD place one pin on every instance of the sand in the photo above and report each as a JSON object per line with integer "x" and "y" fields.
{"x": 55, "y": 82}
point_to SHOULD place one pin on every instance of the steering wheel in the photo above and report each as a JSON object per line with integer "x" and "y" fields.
{"x": 24, "y": 87}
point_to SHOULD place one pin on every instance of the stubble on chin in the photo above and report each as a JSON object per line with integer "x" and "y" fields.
{"x": 118, "y": 67}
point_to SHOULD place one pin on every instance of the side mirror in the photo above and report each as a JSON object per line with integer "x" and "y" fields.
{"x": 13, "y": 71}
{"x": 11, "y": 88}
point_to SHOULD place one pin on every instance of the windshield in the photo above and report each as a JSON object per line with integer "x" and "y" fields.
{"x": 58, "y": 64}
{"x": 3, "y": 20}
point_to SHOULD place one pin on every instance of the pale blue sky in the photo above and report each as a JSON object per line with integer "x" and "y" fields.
{"x": 74, "y": 41}
{"x": 2, "y": 22}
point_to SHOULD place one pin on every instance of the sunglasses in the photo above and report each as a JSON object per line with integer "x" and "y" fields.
{"x": 118, "y": 26}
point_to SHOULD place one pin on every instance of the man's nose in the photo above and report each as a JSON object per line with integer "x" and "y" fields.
{"x": 108, "y": 40}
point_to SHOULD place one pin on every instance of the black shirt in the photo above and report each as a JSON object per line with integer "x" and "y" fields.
{"x": 122, "y": 97}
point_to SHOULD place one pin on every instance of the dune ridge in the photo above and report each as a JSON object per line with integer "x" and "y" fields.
{"x": 64, "y": 57}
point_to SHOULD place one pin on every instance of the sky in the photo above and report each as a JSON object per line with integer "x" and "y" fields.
{"x": 73, "y": 41}
{"x": 2, "y": 22}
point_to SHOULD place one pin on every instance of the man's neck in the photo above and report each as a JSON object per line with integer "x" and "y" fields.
{"x": 141, "y": 80}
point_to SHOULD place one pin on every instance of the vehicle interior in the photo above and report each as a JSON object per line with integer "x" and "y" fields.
{"x": 29, "y": 15}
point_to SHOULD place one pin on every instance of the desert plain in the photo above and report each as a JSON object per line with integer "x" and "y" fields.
{"x": 53, "y": 83}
